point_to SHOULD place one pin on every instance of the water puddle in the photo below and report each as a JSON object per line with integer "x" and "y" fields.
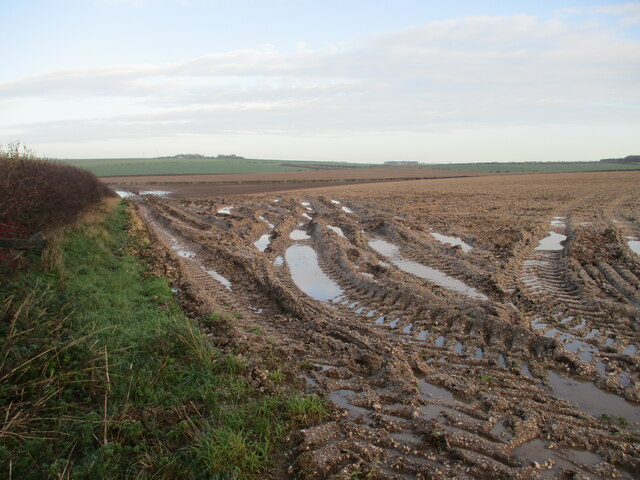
{"x": 307, "y": 216}
{"x": 501, "y": 361}
{"x": 269, "y": 224}
{"x": 436, "y": 276}
{"x": 225, "y": 210}
{"x": 538, "y": 324}
{"x": 479, "y": 353}
{"x": 408, "y": 328}
{"x": 567, "y": 459}
{"x": 553, "y": 242}
{"x": 634, "y": 245}
{"x": 394, "y": 323}
{"x": 278, "y": 261}
{"x": 263, "y": 242}
{"x": 457, "y": 349}
{"x": 154, "y": 193}
{"x": 216, "y": 276}
{"x": 380, "y": 320}
{"x": 440, "y": 341}
{"x": 591, "y": 399}
{"x": 630, "y": 350}
{"x": 335, "y": 201}
{"x": 524, "y": 370}
{"x": 360, "y": 310}
{"x": 337, "y": 230}
{"x": 347, "y": 210}
{"x": 307, "y": 274}
{"x": 125, "y": 194}
{"x": 423, "y": 335}
{"x": 341, "y": 398}
{"x": 592, "y": 333}
{"x": 371, "y": 313}
{"x": 452, "y": 241}
{"x": 299, "y": 235}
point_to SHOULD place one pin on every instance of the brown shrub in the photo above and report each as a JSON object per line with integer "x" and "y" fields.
{"x": 39, "y": 195}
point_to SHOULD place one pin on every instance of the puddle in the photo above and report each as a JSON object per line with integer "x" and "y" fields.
{"x": 371, "y": 313}
{"x": 360, "y": 310}
{"x": 269, "y": 224}
{"x": 630, "y": 350}
{"x": 591, "y": 399}
{"x": 380, "y": 320}
{"x": 624, "y": 378}
{"x": 125, "y": 194}
{"x": 457, "y": 349}
{"x": 216, "y": 276}
{"x": 307, "y": 275}
{"x": 299, "y": 235}
{"x": 582, "y": 324}
{"x": 634, "y": 245}
{"x": 538, "y": 324}
{"x": 263, "y": 242}
{"x": 592, "y": 333}
{"x": 479, "y": 353}
{"x": 567, "y": 459}
{"x": 501, "y": 361}
{"x": 552, "y": 242}
{"x": 393, "y": 252}
{"x": 335, "y": 201}
{"x": 225, "y": 210}
{"x": 279, "y": 261}
{"x": 524, "y": 370}
{"x": 394, "y": 323}
{"x": 452, "y": 241}
{"x": 434, "y": 391}
{"x": 440, "y": 341}
{"x": 305, "y": 204}
{"x": 408, "y": 328}
{"x": 341, "y": 398}
{"x": 501, "y": 431}
{"x": 307, "y": 216}
{"x": 154, "y": 193}
{"x": 338, "y": 230}
{"x": 423, "y": 335}
{"x": 347, "y": 210}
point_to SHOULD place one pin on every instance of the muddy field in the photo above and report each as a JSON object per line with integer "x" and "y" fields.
{"x": 469, "y": 328}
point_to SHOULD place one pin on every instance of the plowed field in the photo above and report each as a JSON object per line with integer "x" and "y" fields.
{"x": 468, "y": 328}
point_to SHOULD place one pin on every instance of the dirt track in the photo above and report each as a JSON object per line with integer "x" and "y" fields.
{"x": 498, "y": 365}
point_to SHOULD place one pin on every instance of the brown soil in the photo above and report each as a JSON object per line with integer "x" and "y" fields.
{"x": 445, "y": 385}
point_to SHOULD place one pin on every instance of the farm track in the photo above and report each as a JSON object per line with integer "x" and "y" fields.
{"x": 430, "y": 382}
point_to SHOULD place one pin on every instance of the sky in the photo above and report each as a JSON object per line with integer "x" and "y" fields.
{"x": 344, "y": 80}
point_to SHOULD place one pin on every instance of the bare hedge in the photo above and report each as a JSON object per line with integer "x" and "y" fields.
{"x": 38, "y": 194}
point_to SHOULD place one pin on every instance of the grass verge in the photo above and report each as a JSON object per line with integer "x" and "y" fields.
{"x": 103, "y": 376}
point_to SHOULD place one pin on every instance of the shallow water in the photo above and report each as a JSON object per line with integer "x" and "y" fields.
{"x": 452, "y": 241}
{"x": 394, "y": 323}
{"x": 215, "y": 275}
{"x": 568, "y": 459}
{"x": 155, "y": 193}
{"x": 591, "y": 399}
{"x": 436, "y": 276}
{"x": 501, "y": 361}
{"x": 440, "y": 341}
{"x": 338, "y": 230}
{"x": 299, "y": 235}
{"x": 630, "y": 350}
{"x": 335, "y": 201}
{"x": 458, "y": 348}
{"x": 125, "y": 194}
{"x": 225, "y": 210}
{"x": 423, "y": 335}
{"x": 263, "y": 242}
{"x": 407, "y": 329}
{"x": 479, "y": 353}
{"x": 380, "y": 320}
{"x": 552, "y": 242}
{"x": 634, "y": 245}
{"x": 347, "y": 210}
{"x": 278, "y": 261}
{"x": 307, "y": 274}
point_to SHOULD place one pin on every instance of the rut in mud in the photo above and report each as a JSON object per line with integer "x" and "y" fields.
{"x": 506, "y": 349}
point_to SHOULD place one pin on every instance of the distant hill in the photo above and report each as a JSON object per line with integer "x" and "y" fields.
{"x": 627, "y": 159}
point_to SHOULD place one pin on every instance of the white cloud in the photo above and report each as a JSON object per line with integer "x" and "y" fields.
{"x": 477, "y": 72}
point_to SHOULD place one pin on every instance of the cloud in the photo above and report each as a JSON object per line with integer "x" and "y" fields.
{"x": 474, "y": 72}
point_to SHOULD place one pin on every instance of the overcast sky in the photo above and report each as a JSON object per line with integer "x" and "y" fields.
{"x": 350, "y": 80}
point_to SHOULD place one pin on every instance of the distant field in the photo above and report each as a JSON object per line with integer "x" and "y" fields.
{"x": 107, "y": 167}
{"x": 568, "y": 167}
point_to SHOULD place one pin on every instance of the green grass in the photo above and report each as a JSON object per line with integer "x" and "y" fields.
{"x": 178, "y": 166}
{"x": 103, "y": 376}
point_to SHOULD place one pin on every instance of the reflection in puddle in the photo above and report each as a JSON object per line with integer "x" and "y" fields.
{"x": 591, "y": 399}
{"x": 337, "y": 230}
{"x": 263, "y": 242}
{"x": 453, "y": 241}
{"x": 458, "y": 348}
{"x": 567, "y": 459}
{"x": 215, "y": 275}
{"x": 393, "y": 252}
{"x": 630, "y": 350}
{"x": 335, "y": 201}
{"x": 347, "y": 210}
{"x": 341, "y": 398}
{"x": 307, "y": 274}
{"x": 380, "y": 320}
{"x": 423, "y": 335}
{"x": 440, "y": 341}
{"x": 225, "y": 210}
{"x": 552, "y": 242}
{"x": 394, "y": 323}
{"x": 408, "y": 328}
{"x": 299, "y": 235}
{"x": 634, "y": 245}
